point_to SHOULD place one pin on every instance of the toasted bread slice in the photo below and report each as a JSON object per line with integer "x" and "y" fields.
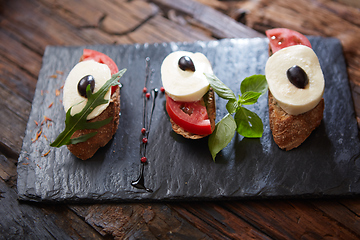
{"x": 211, "y": 110}
{"x": 289, "y": 131}
{"x": 104, "y": 134}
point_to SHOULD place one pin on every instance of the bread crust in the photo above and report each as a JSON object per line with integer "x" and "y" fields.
{"x": 289, "y": 131}
{"x": 87, "y": 149}
{"x": 211, "y": 110}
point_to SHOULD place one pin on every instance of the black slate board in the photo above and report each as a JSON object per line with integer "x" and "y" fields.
{"x": 326, "y": 164}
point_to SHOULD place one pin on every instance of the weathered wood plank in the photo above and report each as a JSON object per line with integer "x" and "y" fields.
{"x": 217, "y": 221}
{"x": 351, "y": 3}
{"x": 14, "y": 103}
{"x": 346, "y": 13}
{"x": 143, "y": 221}
{"x": 159, "y": 29}
{"x": 75, "y": 13}
{"x": 128, "y": 17}
{"x": 341, "y": 213}
{"x": 112, "y": 17}
{"x": 353, "y": 204}
{"x": 18, "y": 81}
{"x": 220, "y": 24}
{"x": 29, "y": 221}
{"x": 8, "y": 170}
{"x": 25, "y": 58}
{"x": 14, "y": 113}
{"x": 294, "y": 219}
{"x": 41, "y": 27}
{"x": 38, "y": 38}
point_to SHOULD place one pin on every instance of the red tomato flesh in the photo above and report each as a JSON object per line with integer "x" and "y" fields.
{"x": 191, "y": 116}
{"x": 282, "y": 37}
{"x": 89, "y": 54}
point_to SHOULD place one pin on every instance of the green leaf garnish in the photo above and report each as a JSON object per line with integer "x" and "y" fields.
{"x": 245, "y": 122}
{"x": 219, "y": 87}
{"x": 254, "y": 83}
{"x": 248, "y": 123}
{"x": 232, "y": 105}
{"x": 82, "y": 138}
{"x": 249, "y": 98}
{"x": 79, "y": 122}
{"x": 222, "y": 135}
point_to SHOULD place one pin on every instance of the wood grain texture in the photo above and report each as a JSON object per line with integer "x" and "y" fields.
{"x": 14, "y": 114}
{"x": 207, "y": 16}
{"x": 32, "y": 221}
{"x": 218, "y": 221}
{"x": 344, "y": 214}
{"x": 27, "y": 27}
{"x": 145, "y": 221}
{"x": 291, "y": 219}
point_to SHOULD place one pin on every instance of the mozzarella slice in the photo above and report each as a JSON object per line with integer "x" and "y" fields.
{"x": 185, "y": 86}
{"x": 291, "y": 99}
{"x": 72, "y": 98}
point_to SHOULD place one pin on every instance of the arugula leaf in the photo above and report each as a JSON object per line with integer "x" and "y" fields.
{"x": 254, "y": 83}
{"x": 79, "y": 122}
{"x": 98, "y": 124}
{"x": 82, "y": 138}
{"x": 245, "y": 122}
{"x": 248, "y": 123}
{"x": 219, "y": 87}
{"x": 222, "y": 135}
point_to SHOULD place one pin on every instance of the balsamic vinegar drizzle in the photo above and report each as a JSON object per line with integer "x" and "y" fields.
{"x": 140, "y": 181}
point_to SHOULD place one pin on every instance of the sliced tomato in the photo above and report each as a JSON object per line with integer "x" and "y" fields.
{"x": 89, "y": 54}
{"x": 282, "y": 37}
{"x": 191, "y": 116}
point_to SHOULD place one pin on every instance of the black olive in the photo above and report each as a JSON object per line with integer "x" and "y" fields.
{"x": 185, "y": 63}
{"x": 297, "y": 76}
{"x": 84, "y": 82}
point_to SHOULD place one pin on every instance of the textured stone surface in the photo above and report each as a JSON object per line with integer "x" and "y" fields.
{"x": 326, "y": 164}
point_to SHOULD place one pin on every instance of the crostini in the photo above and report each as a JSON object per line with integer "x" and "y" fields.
{"x": 296, "y": 86}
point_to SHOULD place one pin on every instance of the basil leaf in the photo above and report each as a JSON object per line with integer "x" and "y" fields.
{"x": 248, "y": 123}
{"x": 219, "y": 87}
{"x": 222, "y": 135}
{"x": 78, "y": 121}
{"x": 249, "y": 98}
{"x": 231, "y": 105}
{"x": 255, "y": 83}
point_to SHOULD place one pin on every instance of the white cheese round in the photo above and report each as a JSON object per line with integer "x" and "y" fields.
{"x": 185, "y": 86}
{"x": 72, "y": 98}
{"x": 291, "y": 99}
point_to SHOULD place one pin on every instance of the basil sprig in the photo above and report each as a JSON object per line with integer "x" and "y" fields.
{"x": 79, "y": 122}
{"x": 244, "y": 121}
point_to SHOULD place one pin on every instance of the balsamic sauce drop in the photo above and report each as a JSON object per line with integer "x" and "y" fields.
{"x": 140, "y": 181}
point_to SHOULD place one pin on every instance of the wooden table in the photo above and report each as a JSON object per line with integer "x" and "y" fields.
{"x": 27, "y": 27}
